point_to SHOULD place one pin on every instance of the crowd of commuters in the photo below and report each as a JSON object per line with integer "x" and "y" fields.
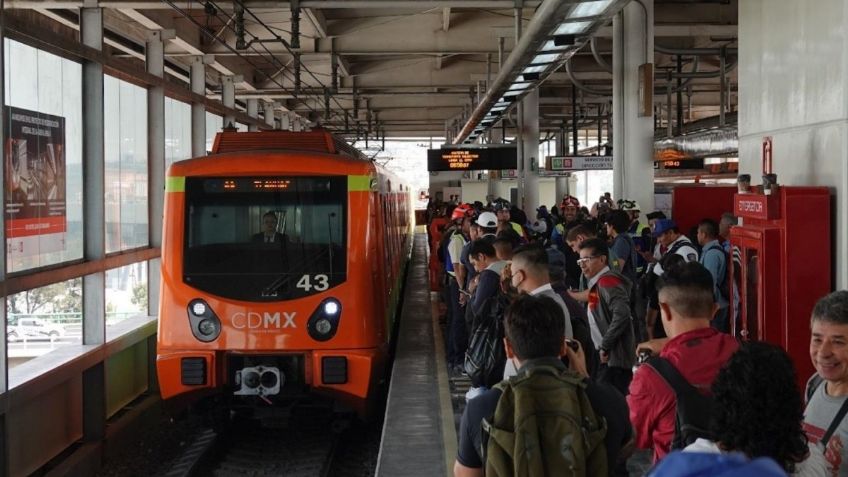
{"x": 623, "y": 325}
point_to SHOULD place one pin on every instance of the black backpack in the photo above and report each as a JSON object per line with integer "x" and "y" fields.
{"x": 485, "y": 357}
{"x": 723, "y": 286}
{"x": 694, "y": 409}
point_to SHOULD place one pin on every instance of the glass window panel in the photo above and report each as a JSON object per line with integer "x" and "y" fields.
{"x": 241, "y": 127}
{"x": 214, "y": 124}
{"x": 43, "y": 319}
{"x": 125, "y": 135}
{"x": 126, "y": 292}
{"x": 46, "y": 171}
{"x": 177, "y": 131}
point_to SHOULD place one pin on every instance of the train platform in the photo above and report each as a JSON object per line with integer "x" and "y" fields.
{"x": 419, "y": 431}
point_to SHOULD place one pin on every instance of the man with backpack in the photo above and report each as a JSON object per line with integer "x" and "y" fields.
{"x": 714, "y": 259}
{"x": 576, "y": 426}
{"x": 693, "y": 353}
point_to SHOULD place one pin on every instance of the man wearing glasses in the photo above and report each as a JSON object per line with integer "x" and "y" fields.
{"x": 609, "y": 315}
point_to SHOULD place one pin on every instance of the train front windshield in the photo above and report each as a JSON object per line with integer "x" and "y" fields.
{"x": 265, "y": 238}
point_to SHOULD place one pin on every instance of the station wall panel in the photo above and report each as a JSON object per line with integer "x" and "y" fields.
{"x": 43, "y": 426}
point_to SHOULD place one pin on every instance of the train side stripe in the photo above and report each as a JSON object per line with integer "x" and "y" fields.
{"x": 359, "y": 184}
{"x": 175, "y": 184}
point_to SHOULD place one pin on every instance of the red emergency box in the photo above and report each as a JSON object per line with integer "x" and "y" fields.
{"x": 781, "y": 265}
{"x": 690, "y": 204}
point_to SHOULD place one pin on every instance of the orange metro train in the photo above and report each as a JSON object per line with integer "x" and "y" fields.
{"x": 282, "y": 265}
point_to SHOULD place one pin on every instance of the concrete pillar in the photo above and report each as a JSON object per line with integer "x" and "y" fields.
{"x": 94, "y": 302}
{"x": 94, "y": 215}
{"x": 228, "y": 97}
{"x": 253, "y": 112}
{"x": 634, "y": 135}
{"x": 198, "y": 110}
{"x": 497, "y": 138}
{"x": 155, "y": 65}
{"x": 804, "y": 112}
{"x": 269, "y": 113}
{"x": 561, "y": 186}
{"x": 530, "y": 143}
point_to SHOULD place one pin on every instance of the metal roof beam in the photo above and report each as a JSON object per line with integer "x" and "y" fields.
{"x": 267, "y": 4}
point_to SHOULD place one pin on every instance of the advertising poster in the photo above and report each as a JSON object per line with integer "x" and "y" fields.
{"x": 34, "y": 167}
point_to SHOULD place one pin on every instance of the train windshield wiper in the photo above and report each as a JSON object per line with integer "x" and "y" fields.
{"x": 272, "y": 290}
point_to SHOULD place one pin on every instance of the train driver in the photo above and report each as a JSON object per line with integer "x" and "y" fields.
{"x": 269, "y": 232}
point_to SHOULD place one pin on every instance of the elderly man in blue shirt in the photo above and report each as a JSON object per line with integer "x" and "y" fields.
{"x": 714, "y": 259}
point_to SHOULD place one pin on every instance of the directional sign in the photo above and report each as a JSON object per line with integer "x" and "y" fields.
{"x": 578, "y": 163}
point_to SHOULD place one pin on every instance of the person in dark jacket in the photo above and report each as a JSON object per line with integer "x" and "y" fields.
{"x": 609, "y": 315}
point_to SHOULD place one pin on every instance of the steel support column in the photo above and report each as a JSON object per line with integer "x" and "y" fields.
{"x": 198, "y": 110}
{"x": 253, "y": 112}
{"x": 633, "y": 141}
{"x": 155, "y": 65}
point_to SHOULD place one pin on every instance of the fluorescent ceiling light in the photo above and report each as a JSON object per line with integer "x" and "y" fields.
{"x": 497, "y": 108}
{"x": 534, "y": 69}
{"x": 573, "y": 28}
{"x": 550, "y": 46}
{"x": 519, "y": 86}
{"x": 545, "y": 58}
{"x": 589, "y": 9}
{"x": 504, "y": 104}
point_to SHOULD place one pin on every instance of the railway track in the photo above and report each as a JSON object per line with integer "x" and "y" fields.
{"x": 303, "y": 447}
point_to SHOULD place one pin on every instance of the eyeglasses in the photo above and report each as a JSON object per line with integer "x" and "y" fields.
{"x": 585, "y": 260}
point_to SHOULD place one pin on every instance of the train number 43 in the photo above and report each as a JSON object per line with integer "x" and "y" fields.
{"x": 318, "y": 282}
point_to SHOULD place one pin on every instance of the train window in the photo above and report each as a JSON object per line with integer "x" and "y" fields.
{"x": 256, "y": 238}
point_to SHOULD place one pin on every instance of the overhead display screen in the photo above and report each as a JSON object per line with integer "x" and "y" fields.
{"x": 472, "y": 158}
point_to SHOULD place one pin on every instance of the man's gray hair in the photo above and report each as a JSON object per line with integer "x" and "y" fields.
{"x": 832, "y": 308}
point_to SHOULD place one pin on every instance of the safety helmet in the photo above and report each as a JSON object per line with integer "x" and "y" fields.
{"x": 461, "y": 211}
{"x": 487, "y": 219}
{"x": 501, "y": 204}
{"x": 626, "y": 204}
{"x": 570, "y": 201}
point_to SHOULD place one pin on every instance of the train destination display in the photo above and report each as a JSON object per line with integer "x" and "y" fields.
{"x": 472, "y": 158}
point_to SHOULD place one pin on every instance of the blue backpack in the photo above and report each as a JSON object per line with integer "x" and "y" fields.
{"x": 696, "y": 464}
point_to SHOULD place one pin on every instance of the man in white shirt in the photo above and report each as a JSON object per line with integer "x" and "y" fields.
{"x": 529, "y": 274}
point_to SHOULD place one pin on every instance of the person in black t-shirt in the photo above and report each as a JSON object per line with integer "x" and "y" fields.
{"x": 605, "y": 400}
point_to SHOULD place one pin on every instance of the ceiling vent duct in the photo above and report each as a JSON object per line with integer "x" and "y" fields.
{"x": 558, "y": 29}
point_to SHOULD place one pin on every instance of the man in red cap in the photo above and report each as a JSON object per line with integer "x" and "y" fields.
{"x": 570, "y": 218}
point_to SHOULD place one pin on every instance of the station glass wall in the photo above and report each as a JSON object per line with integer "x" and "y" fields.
{"x": 44, "y": 178}
{"x": 214, "y": 123}
{"x": 126, "y": 292}
{"x": 43, "y": 319}
{"x": 177, "y": 131}
{"x": 125, "y": 138}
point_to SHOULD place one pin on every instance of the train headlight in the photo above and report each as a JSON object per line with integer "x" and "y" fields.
{"x": 331, "y": 307}
{"x": 323, "y": 326}
{"x": 204, "y": 324}
{"x": 198, "y": 308}
{"x": 207, "y": 327}
{"x": 324, "y": 322}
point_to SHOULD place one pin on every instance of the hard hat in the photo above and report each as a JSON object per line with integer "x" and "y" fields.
{"x": 570, "y": 201}
{"x": 487, "y": 219}
{"x": 501, "y": 204}
{"x": 461, "y": 211}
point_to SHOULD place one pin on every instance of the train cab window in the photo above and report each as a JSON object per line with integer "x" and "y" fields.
{"x": 265, "y": 238}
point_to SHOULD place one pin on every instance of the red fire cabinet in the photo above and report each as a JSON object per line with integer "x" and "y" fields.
{"x": 781, "y": 266}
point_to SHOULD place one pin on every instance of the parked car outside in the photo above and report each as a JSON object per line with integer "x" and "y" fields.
{"x": 32, "y": 329}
